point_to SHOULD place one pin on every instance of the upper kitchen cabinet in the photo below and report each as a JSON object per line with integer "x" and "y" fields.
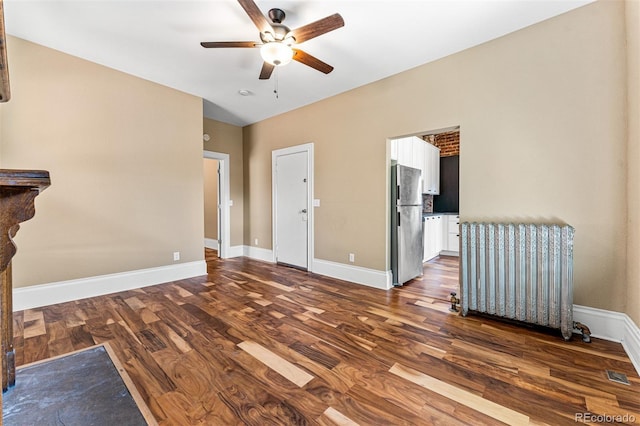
{"x": 394, "y": 149}
{"x": 431, "y": 173}
{"x": 408, "y": 152}
{"x": 414, "y": 152}
{"x": 405, "y": 154}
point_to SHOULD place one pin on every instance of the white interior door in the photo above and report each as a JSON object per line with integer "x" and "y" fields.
{"x": 291, "y": 209}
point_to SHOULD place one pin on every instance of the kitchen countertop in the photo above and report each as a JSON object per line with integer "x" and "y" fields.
{"x": 440, "y": 214}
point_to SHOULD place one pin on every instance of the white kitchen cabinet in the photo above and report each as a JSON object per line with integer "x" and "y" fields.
{"x": 405, "y": 152}
{"x": 431, "y": 174}
{"x": 426, "y": 239}
{"x": 418, "y": 148}
{"x": 435, "y": 162}
{"x": 438, "y": 235}
{"x": 451, "y": 235}
{"x": 409, "y": 152}
{"x": 415, "y": 152}
{"x": 433, "y": 243}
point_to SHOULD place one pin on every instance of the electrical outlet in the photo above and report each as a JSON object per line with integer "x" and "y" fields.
{"x": 176, "y": 255}
{"x": 352, "y": 257}
{"x": 255, "y": 242}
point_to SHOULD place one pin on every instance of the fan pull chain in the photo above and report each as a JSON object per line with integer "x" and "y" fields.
{"x": 275, "y": 80}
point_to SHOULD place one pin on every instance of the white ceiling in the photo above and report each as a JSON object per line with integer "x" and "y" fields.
{"x": 159, "y": 40}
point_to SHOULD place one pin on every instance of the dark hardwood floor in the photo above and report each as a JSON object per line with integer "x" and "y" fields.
{"x": 259, "y": 344}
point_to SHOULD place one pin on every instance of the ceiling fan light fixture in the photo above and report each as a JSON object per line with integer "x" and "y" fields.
{"x": 277, "y": 41}
{"x": 276, "y": 53}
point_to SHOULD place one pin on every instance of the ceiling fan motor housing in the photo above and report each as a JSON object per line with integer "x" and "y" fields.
{"x": 280, "y": 31}
{"x": 277, "y": 15}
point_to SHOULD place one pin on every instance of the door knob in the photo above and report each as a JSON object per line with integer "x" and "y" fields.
{"x": 303, "y": 211}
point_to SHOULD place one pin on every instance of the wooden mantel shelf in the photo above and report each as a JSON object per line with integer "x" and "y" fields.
{"x": 18, "y": 190}
{"x": 36, "y": 179}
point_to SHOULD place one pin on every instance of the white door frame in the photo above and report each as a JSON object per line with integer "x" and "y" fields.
{"x": 308, "y": 148}
{"x": 223, "y": 161}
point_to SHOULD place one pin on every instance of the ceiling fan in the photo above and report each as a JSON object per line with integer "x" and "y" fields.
{"x": 278, "y": 40}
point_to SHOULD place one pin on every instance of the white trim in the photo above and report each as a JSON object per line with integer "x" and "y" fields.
{"x": 603, "y": 324}
{"x": 613, "y": 326}
{"x": 66, "y": 291}
{"x": 258, "y": 253}
{"x": 211, "y": 243}
{"x": 236, "y": 251}
{"x": 308, "y": 149}
{"x": 355, "y": 274}
{"x": 631, "y": 342}
{"x": 223, "y": 251}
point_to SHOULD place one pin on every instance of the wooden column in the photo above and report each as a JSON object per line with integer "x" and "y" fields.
{"x": 18, "y": 190}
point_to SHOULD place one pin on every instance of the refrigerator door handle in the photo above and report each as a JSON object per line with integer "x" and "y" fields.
{"x": 398, "y": 219}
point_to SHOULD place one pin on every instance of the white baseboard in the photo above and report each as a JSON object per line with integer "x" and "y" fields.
{"x": 613, "y": 326}
{"x": 66, "y": 291}
{"x": 266, "y": 255}
{"x": 355, "y": 274}
{"x": 631, "y": 342}
{"x": 236, "y": 251}
{"x": 211, "y": 244}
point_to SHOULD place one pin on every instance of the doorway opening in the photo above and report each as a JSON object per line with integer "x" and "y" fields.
{"x": 216, "y": 202}
{"x": 440, "y": 201}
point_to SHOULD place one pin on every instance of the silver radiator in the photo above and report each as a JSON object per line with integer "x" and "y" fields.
{"x": 522, "y": 272}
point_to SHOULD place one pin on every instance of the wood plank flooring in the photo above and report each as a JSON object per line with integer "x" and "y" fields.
{"x": 259, "y": 344}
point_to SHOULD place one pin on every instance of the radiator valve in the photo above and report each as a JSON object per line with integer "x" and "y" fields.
{"x": 454, "y": 301}
{"x": 586, "y": 333}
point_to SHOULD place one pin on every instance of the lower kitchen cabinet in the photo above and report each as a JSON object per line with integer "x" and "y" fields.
{"x": 441, "y": 236}
{"x": 451, "y": 235}
{"x": 433, "y": 241}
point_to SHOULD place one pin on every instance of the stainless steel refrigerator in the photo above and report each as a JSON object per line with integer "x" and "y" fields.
{"x": 407, "y": 241}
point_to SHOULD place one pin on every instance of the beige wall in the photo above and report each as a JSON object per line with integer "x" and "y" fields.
{"x": 125, "y": 159}
{"x": 633, "y": 180}
{"x": 227, "y": 139}
{"x": 210, "y": 198}
{"x": 542, "y": 116}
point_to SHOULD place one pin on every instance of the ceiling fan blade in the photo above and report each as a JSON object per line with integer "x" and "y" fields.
{"x": 315, "y": 63}
{"x": 229, "y": 44}
{"x": 314, "y": 29}
{"x": 265, "y": 72}
{"x": 256, "y": 15}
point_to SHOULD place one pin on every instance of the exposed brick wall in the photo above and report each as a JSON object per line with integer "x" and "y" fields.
{"x": 449, "y": 142}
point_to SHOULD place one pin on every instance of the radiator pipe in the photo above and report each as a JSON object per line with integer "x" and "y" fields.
{"x": 586, "y": 333}
{"x": 454, "y": 301}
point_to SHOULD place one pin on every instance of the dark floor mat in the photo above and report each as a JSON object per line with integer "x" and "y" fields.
{"x": 82, "y": 388}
